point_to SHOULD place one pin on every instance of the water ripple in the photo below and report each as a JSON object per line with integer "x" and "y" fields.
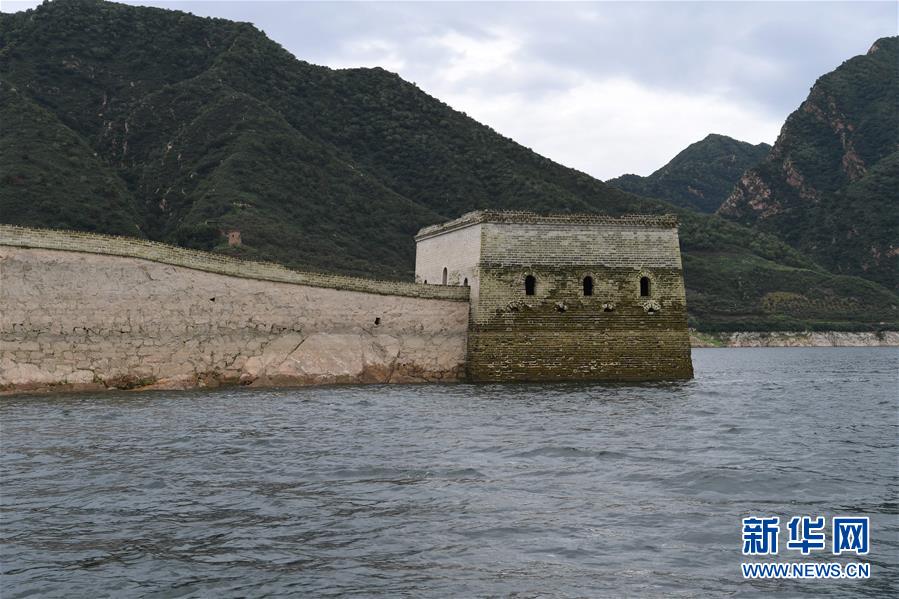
{"x": 567, "y": 490}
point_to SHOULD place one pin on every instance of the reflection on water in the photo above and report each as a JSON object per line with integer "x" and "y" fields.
{"x": 550, "y": 490}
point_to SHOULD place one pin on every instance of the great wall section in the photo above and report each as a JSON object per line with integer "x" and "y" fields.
{"x": 83, "y": 311}
{"x": 80, "y": 311}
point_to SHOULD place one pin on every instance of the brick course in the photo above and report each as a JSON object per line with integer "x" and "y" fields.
{"x": 559, "y": 333}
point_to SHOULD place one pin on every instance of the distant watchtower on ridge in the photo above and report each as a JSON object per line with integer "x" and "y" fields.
{"x": 564, "y": 297}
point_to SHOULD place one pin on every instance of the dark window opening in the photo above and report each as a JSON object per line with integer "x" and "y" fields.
{"x": 426, "y": 281}
{"x": 444, "y": 275}
{"x": 644, "y": 286}
{"x": 530, "y": 285}
{"x": 588, "y": 285}
{"x": 465, "y": 282}
{"x": 377, "y": 320}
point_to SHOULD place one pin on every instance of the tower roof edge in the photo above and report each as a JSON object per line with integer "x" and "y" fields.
{"x": 529, "y": 218}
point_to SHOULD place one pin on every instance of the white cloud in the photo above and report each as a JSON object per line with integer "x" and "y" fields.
{"x": 369, "y": 53}
{"x": 613, "y": 126}
{"x": 470, "y": 57}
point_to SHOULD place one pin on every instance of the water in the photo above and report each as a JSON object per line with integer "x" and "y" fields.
{"x": 451, "y": 491}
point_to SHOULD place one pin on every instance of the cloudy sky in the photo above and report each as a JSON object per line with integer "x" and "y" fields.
{"x": 604, "y": 87}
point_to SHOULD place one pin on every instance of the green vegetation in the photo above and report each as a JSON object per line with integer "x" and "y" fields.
{"x": 829, "y": 186}
{"x": 150, "y": 122}
{"x": 737, "y": 295}
{"x": 701, "y": 176}
{"x": 40, "y": 159}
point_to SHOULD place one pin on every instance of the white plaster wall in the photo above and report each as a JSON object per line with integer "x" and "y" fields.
{"x": 458, "y": 251}
{"x": 87, "y": 320}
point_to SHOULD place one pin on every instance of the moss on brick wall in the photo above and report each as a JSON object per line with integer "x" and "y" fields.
{"x": 559, "y": 333}
{"x": 592, "y": 354}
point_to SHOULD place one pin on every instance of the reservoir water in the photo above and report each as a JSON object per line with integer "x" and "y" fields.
{"x": 566, "y": 490}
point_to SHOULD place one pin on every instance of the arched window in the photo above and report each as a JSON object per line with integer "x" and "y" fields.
{"x": 588, "y": 285}
{"x": 444, "y": 275}
{"x": 530, "y": 285}
{"x": 644, "y": 286}
{"x": 465, "y": 282}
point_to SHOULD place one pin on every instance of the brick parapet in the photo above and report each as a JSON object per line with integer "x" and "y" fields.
{"x": 665, "y": 221}
{"x": 76, "y": 241}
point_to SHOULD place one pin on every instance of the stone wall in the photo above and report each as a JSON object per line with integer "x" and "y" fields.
{"x": 514, "y": 217}
{"x": 77, "y": 241}
{"x": 559, "y": 333}
{"x": 90, "y": 311}
{"x": 612, "y": 245}
{"x": 100, "y": 317}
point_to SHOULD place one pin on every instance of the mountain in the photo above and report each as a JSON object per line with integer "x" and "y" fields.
{"x": 701, "y": 176}
{"x": 830, "y": 186}
{"x": 156, "y": 123}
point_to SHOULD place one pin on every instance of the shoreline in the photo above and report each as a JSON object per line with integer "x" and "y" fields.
{"x": 699, "y": 339}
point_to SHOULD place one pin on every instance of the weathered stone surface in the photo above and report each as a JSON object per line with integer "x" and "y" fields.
{"x": 78, "y": 241}
{"x": 796, "y": 339}
{"x": 559, "y": 332}
{"x": 83, "y": 311}
{"x": 75, "y": 320}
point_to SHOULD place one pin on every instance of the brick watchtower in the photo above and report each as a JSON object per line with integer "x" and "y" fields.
{"x": 565, "y": 297}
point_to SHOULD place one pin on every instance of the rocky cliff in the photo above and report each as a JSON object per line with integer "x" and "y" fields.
{"x": 830, "y": 186}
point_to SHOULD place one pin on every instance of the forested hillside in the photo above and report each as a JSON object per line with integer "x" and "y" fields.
{"x": 155, "y": 123}
{"x": 701, "y": 176}
{"x": 830, "y": 186}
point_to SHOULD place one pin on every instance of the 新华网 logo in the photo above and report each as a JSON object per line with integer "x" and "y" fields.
{"x": 806, "y": 534}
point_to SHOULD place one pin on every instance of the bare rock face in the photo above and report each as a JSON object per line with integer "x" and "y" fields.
{"x": 751, "y": 196}
{"x": 85, "y": 321}
{"x": 796, "y": 339}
